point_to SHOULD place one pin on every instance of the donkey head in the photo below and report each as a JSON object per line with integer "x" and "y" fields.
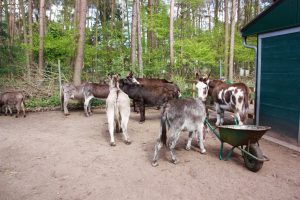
{"x": 203, "y": 78}
{"x": 202, "y": 86}
{"x": 131, "y": 79}
{"x": 113, "y": 81}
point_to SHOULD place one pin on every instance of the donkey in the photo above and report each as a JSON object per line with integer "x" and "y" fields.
{"x": 179, "y": 115}
{"x": 13, "y": 99}
{"x": 93, "y": 90}
{"x": 145, "y": 95}
{"x": 230, "y": 97}
{"x": 70, "y": 91}
{"x": 117, "y": 110}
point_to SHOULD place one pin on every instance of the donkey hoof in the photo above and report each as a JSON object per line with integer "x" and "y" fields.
{"x": 174, "y": 161}
{"x": 187, "y": 148}
{"x": 128, "y": 142}
{"x": 202, "y": 151}
{"x": 141, "y": 122}
{"x": 24, "y": 116}
{"x": 154, "y": 163}
{"x": 17, "y": 116}
{"x": 66, "y": 114}
{"x": 112, "y": 144}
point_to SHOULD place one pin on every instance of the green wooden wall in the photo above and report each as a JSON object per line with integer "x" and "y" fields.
{"x": 281, "y": 15}
{"x": 280, "y": 85}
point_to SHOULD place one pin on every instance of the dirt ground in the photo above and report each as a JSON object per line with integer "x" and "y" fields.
{"x": 49, "y": 156}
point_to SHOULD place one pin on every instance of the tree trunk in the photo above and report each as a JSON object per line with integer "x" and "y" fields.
{"x": 216, "y": 12}
{"x": 231, "y": 63}
{"x": 11, "y": 22}
{"x": 226, "y": 39}
{"x": 150, "y": 33}
{"x": 171, "y": 36}
{"x": 133, "y": 35}
{"x": 113, "y": 12}
{"x": 0, "y": 11}
{"x": 41, "y": 36}
{"x": 80, "y": 48}
{"x": 25, "y": 38}
{"x": 139, "y": 33}
{"x": 238, "y": 23}
{"x": 76, "y": 34}
{"x": 127, "y": 19}
{"x": 30, "y": 8}
{"x": 256, "y": 8}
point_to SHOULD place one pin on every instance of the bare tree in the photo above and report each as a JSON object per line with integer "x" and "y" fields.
{"x": 233, "y": 15}
{"x": 171, "y": 35}
{"x": 226, "y": 38}
{"x": 150, "y": 33}
{"x": 216, "y": 12}
{"x": 41, "y": 36}
{"x": 139, "y": 33}
{"x": 11, "y": 22}
{"x": 25, "y": 38}
{"x": 133, "y": 35}
{"x": 30, "y": 6}
{"x": 80, "y": 48}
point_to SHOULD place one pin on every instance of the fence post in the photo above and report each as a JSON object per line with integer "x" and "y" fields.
{"x": 59, "y": 78}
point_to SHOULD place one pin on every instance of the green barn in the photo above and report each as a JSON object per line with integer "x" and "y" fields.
{"x": 277, "y": 67}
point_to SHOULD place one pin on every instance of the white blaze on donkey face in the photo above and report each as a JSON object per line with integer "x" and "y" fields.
{"x": 202, "y": 90}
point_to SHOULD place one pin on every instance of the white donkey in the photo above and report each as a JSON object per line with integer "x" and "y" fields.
{"x": 117, "y": 110}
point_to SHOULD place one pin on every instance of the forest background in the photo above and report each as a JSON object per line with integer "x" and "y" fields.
{"x": 88, "y": 39}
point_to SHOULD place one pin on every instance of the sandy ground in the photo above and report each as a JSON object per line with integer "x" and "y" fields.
{"x": 49, "y": 156}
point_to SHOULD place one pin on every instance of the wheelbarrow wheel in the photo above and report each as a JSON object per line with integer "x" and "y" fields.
{"x": 251, "y": 163}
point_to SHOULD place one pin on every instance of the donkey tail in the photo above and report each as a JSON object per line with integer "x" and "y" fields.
{"x": 163, "y": 126}
{"x": 61, "y": 95}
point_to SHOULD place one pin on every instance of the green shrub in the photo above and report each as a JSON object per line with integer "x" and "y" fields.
{"x": 43, "y": 102}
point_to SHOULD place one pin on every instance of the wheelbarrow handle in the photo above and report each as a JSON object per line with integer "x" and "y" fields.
{"x": 265, "y": 158}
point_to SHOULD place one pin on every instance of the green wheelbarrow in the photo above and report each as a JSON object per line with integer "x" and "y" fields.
{"x": 245, "y": 138}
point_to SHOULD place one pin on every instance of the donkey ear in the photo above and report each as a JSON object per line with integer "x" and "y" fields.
{"x": 197, "y": 76}
{"x": 209, "y": 75}
{"x": 130, "y": 74}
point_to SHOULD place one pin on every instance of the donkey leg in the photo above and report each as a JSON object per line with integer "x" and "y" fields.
{"x": 124, "y": 123}
{"x": 218, "y": 110}
{"x": 200, "y": 138}
{"x": 189, "y": 142}
{"x": 172, "y": 144}
{"x": 10, "y": 111}
{"x": 86, "y": 105}
{"x": 157, "y": 148}
{"x": 142, "y": 112}
{"x": 18, "y": 109}
{"x": 66, "y": 99}
{"x": 222, "y": 117}
{"x": 5, "y": 110}
{"x": 237, "y": 115}
{"x": 110, "y": 120}
{"x": 23, "y": 109}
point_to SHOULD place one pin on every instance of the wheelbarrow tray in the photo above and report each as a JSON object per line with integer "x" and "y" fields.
{"x": 238, "y": 135}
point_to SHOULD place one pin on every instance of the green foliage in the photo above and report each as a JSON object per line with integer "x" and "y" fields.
{"x": 241, "y": 53}
{"x": 43, "y": 102}
{"x": 195, "y": 49}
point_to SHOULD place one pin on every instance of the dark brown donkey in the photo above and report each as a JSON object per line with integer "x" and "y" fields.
{"x": 170, "y": 86}
{"x": 145, "y": 95}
